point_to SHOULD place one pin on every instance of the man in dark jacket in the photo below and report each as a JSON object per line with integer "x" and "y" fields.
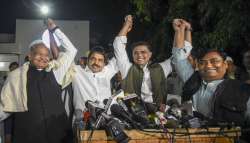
{"x": 212, "y": 95}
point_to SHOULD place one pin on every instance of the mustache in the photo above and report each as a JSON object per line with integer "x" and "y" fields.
{"x": 95, "y": 65}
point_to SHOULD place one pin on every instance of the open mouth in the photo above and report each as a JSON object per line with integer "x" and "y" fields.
{"x": 95, "y": 66}
{"x": 140, "y": 60}
{"x": 210, "y": 70}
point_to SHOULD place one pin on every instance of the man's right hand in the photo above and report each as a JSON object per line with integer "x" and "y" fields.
{"x": 51, "y": 24}
{"x": 128, "y": 23}
{"x": 179, "y": 24}
{"x": 127, "y": 26}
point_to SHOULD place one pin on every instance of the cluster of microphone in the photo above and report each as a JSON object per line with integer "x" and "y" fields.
{"x": 133, "y": 113}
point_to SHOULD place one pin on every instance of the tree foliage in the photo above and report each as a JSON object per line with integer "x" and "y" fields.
{"x": 220, "y": 24}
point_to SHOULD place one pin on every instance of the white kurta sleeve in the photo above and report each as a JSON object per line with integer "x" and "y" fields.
{"x": 121, "y": 55}
{"x": 66, "y": 57}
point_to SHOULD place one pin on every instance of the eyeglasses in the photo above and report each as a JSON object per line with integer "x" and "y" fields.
{"x": 213, "y": 61}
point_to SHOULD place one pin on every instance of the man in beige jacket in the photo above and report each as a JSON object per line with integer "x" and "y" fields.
{"x": 32, "y": 94}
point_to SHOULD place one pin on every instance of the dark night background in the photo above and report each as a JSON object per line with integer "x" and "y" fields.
{"x": 104, "y": 16}
{"x": 220, "y": 24}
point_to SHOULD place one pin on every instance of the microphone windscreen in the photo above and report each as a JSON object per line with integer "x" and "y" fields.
{"x": 87, "y": 103}
{"x": 151, "y": 108}
{"x": 105, "y": 101}
{"x": 173, "y": 102}
{"x": 116, "y": 110}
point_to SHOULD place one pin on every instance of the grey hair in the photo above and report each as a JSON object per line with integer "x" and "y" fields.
{"x": 35, "y": 42}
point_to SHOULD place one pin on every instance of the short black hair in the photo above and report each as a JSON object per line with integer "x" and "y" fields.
{"x": 99, "y": 50}
{"x": 13, "y": 64}
{"x": 83, "y": 58}
{"x": 142, "y": 43}
{"x": 26, "y": 59}
{"x": 201, "y": 52}
{"x": 194, "y": 53}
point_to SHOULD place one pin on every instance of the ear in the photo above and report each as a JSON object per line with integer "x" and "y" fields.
{"x": 225, "y": 64}
{"x": 29, "y": 56}
{"x": 150, "y": 54}
{"x": 196, "y": 63}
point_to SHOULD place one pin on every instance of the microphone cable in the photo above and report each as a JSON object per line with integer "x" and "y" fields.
{"x": 101, "y": 116}
{"x": 196, "y": 133}
{"x": 165, "y": 130}
{"x": 174, "y": 132}
{"x": 189, "y": 136}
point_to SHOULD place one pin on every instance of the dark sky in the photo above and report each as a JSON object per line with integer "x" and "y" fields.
{"x": 105, "y": 16}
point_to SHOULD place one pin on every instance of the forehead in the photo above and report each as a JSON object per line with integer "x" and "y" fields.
{"x": 211, "y": 55}
{"x": 97, "y": 55}
{"x": 40, "y": 48}
{"x": 141, "y": 48}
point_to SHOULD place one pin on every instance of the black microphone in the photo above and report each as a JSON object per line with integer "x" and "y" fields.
{"x": 94, "y": 108}
{"x": 173, "y": 103}
{"x": 122, "y": 104}
{"x": 174, "y": 109}
{"x": 151, "y": 108}
{"x": 105, "y": 101}
{"x": 120, "y": 113}
{"x": 90, "y": 103}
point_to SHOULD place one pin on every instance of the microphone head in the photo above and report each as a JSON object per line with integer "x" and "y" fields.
{"x": 105, "y": 101}
{"x": 116, "y": 110}
{"x": 151, "y": 108}
{"x": 88, "y": 102}
{"x": 173, "y": 102}
{"x": 119, "y": 112}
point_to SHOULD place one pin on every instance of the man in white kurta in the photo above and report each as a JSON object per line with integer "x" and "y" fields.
{"x": 92, "y": 83}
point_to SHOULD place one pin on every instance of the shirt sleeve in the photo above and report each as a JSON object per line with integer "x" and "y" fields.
{"x": 112, "y": 67}
{"x": 3, "y": 115}
{"x": 78, "y": 98}
{"x": 183, "y": 68}
{"x": 166, "y": 66}
{"x": 66, "y": 57}
{"x": 123, "y": 62}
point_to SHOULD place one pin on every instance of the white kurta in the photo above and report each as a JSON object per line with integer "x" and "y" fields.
{"x": 92, "y": 86}
{"x": 124, "y": 65}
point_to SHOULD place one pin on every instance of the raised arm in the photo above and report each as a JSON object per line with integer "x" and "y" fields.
{"x": 182, "y": 47}
{"x": 66, "y": 55}
{"x": 120, "y": 46}
{"x": 112, "y": 67}
{"x": 127, "y": 26}
{"x": 188, "y": 30}
{"x": 179, "y": 29}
